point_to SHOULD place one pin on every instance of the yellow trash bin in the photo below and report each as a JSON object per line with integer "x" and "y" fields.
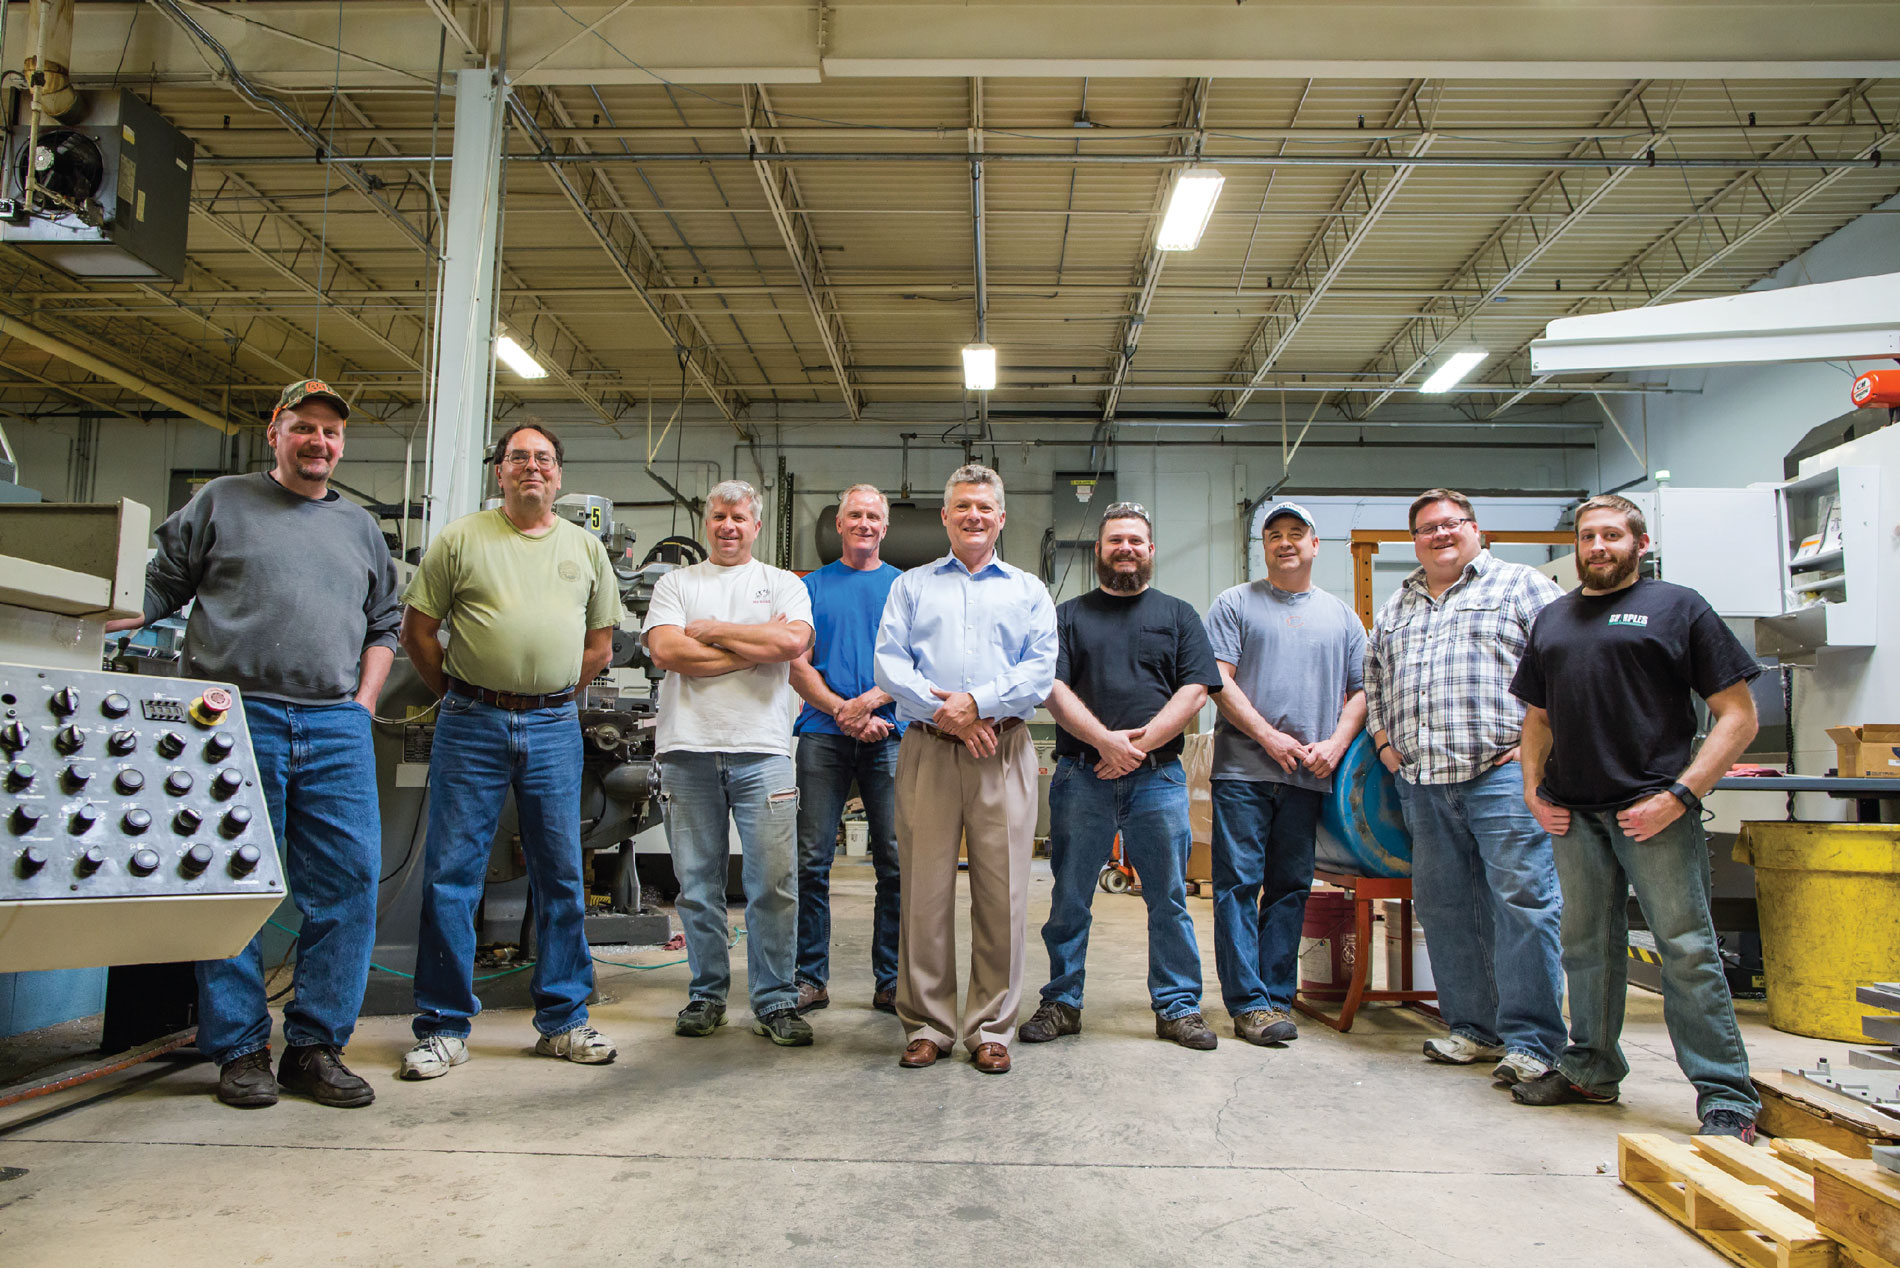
{"x": 1829, "y": 895}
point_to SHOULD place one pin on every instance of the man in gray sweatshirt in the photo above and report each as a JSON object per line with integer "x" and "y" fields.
{"x": 296, "y": 605}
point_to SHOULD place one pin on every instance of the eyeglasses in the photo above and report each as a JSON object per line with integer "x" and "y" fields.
{"x": 527, "y": 458}
{"x": 1442, "y": 526}
{"x": 1118, "y": 509}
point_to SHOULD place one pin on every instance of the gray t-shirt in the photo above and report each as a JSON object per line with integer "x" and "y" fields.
{"x": 291, "y": 591}
{"x": 1296, "y": 658}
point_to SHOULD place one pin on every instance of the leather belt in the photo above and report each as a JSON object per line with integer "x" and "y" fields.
{"x": 1002, "y": 728}
{"x": 514, "y": 702}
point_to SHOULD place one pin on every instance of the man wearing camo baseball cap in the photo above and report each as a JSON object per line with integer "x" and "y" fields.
{"x": 296, "y": 604}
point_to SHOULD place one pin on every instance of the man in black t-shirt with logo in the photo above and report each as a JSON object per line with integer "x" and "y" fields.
{"x": 1608, "y": 727}
{"x": 1133, "y": 666}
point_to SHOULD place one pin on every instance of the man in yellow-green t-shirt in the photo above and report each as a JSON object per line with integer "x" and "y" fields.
{"x": 531, "y": 604}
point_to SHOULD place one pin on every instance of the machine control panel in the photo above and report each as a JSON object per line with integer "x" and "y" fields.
{"x": 115, "y": 786}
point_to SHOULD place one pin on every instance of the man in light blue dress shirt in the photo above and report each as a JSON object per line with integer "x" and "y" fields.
{"x": 967, "y": 648}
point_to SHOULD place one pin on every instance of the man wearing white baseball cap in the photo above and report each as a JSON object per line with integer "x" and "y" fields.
{"x": 1292, "y": 667}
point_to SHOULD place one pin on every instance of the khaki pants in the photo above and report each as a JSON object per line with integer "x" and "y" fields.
{"x": 945, "y": 796}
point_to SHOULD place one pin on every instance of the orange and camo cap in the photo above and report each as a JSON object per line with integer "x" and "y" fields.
{"x": 295, "y": 394}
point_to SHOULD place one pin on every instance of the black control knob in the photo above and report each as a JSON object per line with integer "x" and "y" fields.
{"x": 32, "y": 859}
{"x": 74, "y": 777}
{"x": 219, "y": 746}
{"x": 226, "y": 783}
{"x": 178, "y": 783}
{"x": 196, "y": 859}
{"x": 13, "y": 736}
{"x": 186, "y": 821}
{"x": 245, "y": 861}
{"x": 26, "y": 818}
{"x": 65, "y": 702}
{"x": 70, "y": 739}
{"x": 136, "y": 821}
{"x": 171, "y": 744}
{"x": 84, "y": 817}
{"x": 115, "y": 706}
{"x": 144, "y": 862}
{"x": 236, "y": 819}
{"x": 91, "y": 861}
{"x": 20, "y": 775}
{"x": 129, "y": 781}
{"x": 122, "y": 742}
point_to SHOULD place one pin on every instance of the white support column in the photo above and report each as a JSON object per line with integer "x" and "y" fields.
{"x": 462, "y": 403}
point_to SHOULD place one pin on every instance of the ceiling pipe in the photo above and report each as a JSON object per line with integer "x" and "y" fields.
{"x": 54, "y": 346}
{"x": 49, "y": 33}
{"x": 1649, "y": 158}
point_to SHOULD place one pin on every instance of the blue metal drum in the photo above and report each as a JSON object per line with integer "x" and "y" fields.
{"x": 1361, "y": 831}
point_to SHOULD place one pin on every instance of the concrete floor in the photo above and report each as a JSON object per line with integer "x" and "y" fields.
{"x": 1106, "y": 1148}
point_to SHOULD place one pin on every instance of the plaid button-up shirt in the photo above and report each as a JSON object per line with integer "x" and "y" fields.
{"x": 1438, "y": 671}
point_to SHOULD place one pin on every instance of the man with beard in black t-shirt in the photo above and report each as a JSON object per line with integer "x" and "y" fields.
{"x": 1133, "y": 666}
{"x": 1608, "y": 726}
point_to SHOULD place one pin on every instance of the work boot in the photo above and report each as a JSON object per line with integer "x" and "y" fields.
{"x": 1263, "y": 1026}
{"x": 246, "y": 1081}
{"x": 1555, "y": 1088}
{"x": 812, "y": 996}
{"x": 1190, "y": 1031}
{"x": 317, "y": 1071}
{"x": 1051, "y": 1020}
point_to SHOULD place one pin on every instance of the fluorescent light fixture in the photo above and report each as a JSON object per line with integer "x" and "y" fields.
{"x": 1457, "y": 365}
{"x": 516, "y": 358}
{"x": 979, "y": 367}
{"x": 1190, "y": 206}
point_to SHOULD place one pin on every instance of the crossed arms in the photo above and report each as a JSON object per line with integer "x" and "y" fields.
{"x": 707, "y": 648}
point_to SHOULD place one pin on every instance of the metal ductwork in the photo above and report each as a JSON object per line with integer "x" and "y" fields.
{"x": 49, "y": 33}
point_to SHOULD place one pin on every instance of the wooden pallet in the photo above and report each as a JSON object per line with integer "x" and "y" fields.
{"x": 1824, "y": 1167}
{"x": 1794, "y": 1107}
{"x": 1746, "y": 1217}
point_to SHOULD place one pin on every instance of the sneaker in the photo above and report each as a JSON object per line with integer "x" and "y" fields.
{"x": 1520, "y": 1067}
{"x": 582, "y": 1045}
{"x": 784, "y": 1028}
{"x": 1051, "y": 1021}
{"x": 1459, "y": 1050}
{"x": 432, "y": 1057}
{"x": 811, "y": 997}
{"x": 1553, "y": 1088}
{"x": 699, "y": 1019}
{"x": 247, "y": 1082}
{"x": 1723, "y": 1122}
{"x": 317, "y": 1070}
{"x": 1265, "y": 1026}
{"x": 1190, "y": 1031}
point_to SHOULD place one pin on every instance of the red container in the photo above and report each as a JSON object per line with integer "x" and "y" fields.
{"x": 1328, "y": 945}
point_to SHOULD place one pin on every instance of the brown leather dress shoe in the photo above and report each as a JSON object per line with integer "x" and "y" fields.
{"x": 919, "y": 1053}
{"x": 991, "y": 1058}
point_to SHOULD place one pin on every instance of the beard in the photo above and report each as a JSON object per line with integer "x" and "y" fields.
{"x": 1116, "y": 582}
{"x": 1608, "y": 576}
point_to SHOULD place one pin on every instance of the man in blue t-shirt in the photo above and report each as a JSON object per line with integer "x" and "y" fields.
{"x": 847, "y": 733}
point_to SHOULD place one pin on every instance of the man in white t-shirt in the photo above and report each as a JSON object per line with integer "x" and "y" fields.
{"x": 725, "y": 632}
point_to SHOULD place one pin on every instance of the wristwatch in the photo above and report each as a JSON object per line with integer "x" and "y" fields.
{"x": 1688, "y": 799}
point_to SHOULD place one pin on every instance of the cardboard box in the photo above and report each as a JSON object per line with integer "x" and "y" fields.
{"x": 1870, "y": 751}
{"x": 1197, "y": 763}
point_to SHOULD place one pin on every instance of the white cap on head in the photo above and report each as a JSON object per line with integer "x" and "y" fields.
{"x": 1289, "y": 508}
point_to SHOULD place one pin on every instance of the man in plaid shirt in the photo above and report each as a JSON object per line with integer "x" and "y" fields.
{"x": 1440, "y": 710}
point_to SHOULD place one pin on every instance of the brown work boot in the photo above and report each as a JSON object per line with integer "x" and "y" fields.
{"x": 1190, "y": 1031}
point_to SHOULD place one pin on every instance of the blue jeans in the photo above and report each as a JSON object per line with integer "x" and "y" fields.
{"x": 480, "y": 753}
{"x": 1597, "y": 865}
{"x": 1485, "y": 886}
{"x": 827, "y": 767}
{"x": 1149, "y": 807}
{"x": 701, "y": 791}
{"x": 317, "y": 773}
{"x": 1263, "y": 870}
